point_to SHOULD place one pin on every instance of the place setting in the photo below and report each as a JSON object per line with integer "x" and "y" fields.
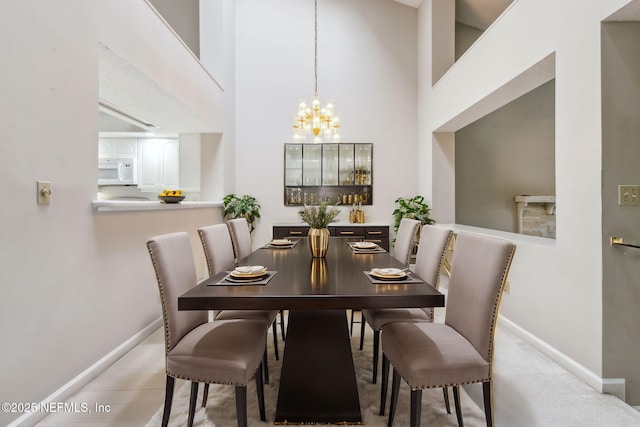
{"x": 391, "y": 275}
{"x": 247, "y": 275}
{"x": 281, "y": 244}
{"x": 365, "y": 247}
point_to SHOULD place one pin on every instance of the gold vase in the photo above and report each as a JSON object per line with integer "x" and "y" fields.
{"x": 318, "y": 242}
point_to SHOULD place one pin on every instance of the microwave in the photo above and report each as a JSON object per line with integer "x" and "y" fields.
{"x": 117, "y": 171}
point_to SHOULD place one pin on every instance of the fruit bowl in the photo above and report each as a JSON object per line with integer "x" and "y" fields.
{"x": 171, "y": 199}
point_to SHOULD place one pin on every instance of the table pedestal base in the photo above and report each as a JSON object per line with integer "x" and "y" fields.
{"x": 318, "y": 381}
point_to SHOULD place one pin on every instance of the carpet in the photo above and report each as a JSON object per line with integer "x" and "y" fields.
{"x": 220, "y": 410}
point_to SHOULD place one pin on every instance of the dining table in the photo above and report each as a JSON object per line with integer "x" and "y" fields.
{"x": 317, "y": 381}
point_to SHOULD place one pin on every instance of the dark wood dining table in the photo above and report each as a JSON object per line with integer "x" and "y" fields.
{"x": 317, "y": 382}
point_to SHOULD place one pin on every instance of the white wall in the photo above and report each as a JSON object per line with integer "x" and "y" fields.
{"x": 556, "y": 289}
{"x": 74, "y": 284}
{"x": 366, "y": 66}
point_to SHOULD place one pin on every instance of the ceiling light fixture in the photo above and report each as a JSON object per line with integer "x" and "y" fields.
{"x": 316, "y": 120}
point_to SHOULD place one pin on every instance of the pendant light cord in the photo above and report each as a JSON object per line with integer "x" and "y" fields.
{"x": 315, "y": 38}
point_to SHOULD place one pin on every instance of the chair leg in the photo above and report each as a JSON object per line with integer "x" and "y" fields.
{"x": 385, "y": 383}
{"x": 351, "y": 325}
{"x": 241, "y": 405}
{"x": 265, "y": 365}
{"x": 362, "y": 325}
{"x": 445, "y": 394}
{"x": 275, "y": 339}
{"x": 488, "y": 411}
{"x": 395, "y": 390}
{"x": 192, "y": 403}
{"x": 456, "y": 401}
{"x": 168, "y": 398}
{"x": 282, "y": 328}
{"x": 416, "y": 408}
{"x": 205, "y": 394}
{"x": 260, "y": 391}
{"x": 376, "y": 348}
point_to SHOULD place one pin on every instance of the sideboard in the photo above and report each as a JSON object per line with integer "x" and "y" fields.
{"x": 370, "y": 232}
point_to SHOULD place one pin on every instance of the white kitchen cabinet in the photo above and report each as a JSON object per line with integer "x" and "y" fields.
{"x": 117, "y": 147}
{"x": 158, "y": 164}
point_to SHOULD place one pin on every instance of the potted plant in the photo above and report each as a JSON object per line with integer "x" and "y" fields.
{"x": 241, "y": 207}
{"x": 414, "y": 208}
{"x": 318, "y": 218}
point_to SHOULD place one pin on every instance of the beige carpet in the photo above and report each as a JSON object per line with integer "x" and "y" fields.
{"x": 220, "y": 410}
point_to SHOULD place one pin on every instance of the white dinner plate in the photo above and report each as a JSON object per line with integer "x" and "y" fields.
{"x": 281, "y": 242}
{"x": 388, "y": 273}
{"x": 249, "y": 271}
{"x": 365, "y": 245}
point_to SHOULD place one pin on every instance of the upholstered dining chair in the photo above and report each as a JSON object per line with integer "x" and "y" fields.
{"x": 219, "y": 253}
{"x": 241, "y": 240}
{"x": 406, "y": 238}
{"x": 221, "y": 352}
{"x": 460, "y": 350}
{"x": 240, "y": 237}
{"x": 431, "y": 250}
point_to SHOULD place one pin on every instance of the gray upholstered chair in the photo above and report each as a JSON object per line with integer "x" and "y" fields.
{"x": 406, "y": 238}
{"x": 221, "y": 352}
{"x": 241, "y": 240}
{"x": 219, "y": 253}
{"x": 460, "y": 350}
{"x": 431, "y": 250}
{"x": 240, "y": 237}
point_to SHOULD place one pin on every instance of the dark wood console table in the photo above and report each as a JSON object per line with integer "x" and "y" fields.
{"x": 369, "y": 232}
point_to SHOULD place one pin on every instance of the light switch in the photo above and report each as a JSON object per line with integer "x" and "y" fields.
{"x": 44, "y": 192}
{"x": 628, "y": 195}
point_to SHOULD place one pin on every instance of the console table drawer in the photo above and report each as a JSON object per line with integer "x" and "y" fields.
{"x": 286, "y": 232}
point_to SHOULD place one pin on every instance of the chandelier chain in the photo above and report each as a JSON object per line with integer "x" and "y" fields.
{"x": 315, "y": 39}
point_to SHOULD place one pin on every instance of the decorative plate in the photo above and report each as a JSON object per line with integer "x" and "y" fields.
{"x": 388, "y": 273}
{"x": 281, "y": 242}
{"x": 249, "y": 272}
{"x": 365, "y": 245}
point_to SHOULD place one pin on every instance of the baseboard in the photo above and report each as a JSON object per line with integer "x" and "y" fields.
{"x": 76, "y": 384}
{"x": 614, "y": 386}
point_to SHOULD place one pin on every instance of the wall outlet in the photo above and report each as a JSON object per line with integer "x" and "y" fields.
{"x": 628, "y": 195}
{"x": 507, "y": 287}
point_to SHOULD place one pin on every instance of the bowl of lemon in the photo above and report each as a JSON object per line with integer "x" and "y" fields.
{"x": 171, "y": 196}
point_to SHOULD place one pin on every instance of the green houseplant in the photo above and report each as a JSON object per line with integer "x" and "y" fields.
{"x": 318, "y": 218}
{"x": 241, "y": 207}
{"x": 414, "y": 208}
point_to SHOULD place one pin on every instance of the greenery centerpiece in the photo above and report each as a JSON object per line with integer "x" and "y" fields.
{"x": 241, "y": 207}
{"x": 318, "y": 218}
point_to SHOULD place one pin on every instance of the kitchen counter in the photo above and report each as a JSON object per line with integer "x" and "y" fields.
{"x": 147, "y": 205}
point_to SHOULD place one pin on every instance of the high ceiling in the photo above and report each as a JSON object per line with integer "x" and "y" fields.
{"x": 474, "y": 13}
{"x": 171, "y": 116}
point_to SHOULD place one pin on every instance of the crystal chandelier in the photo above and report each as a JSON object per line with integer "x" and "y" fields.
{"x": 317, "y": 120}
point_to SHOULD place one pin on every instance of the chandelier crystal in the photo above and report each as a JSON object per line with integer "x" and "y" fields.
{"x": 315, "y": 119}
